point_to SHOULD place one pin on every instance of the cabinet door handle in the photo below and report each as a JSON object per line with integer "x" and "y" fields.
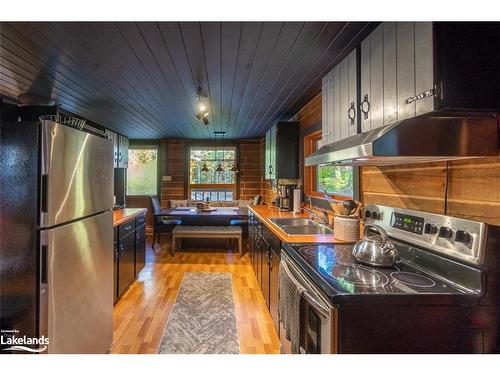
{"x": 364, "y": 107}
{"x": 351, "y": 113}
{"x": 116, "y": 254}
{"x": 427, "y": 93}
{"x": 121, "y": 250}
{"x": 270, "y": 258}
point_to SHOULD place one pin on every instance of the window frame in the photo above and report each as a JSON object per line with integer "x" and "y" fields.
{"x": 198, "y": 145}
{"x": 146, "y": 147}
{"x": 310, "y": 173}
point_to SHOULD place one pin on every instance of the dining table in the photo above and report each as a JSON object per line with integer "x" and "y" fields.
{"x": 220, "y": 216}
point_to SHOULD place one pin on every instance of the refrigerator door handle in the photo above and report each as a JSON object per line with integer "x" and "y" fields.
{"x": 44, "y": 290}
{"x": 44, "y": 192}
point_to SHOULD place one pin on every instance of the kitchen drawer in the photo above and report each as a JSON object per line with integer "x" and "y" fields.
{"x": 140, "y": 221}
{"x": 126, "y": 228}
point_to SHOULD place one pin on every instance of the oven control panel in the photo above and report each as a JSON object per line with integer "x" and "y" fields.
{"x": 453, "y": 237}
{"x": 408, "y": 223}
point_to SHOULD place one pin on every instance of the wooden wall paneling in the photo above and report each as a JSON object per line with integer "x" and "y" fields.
{"x": 115, "y": 62}
{"x": 311, "y": 113}
{"x": 140, "y": 79}
{"x": 419, "y": 187}
{"x": 143, "y": 44}
{"x": 308, "y": 84}
{"x": 190, "y": 34}
{"x": 290, "y": 47}
{"x": 474, "y": 189}
{"x": 263, "y": 53}
{"x": 211, "y": 41}
{"x": 54, "y": 37}
{"x": 250, "y": 169}
{"x": 33, "y": 73}
{"x": 134, "y": 52}
{"x": 251, "y": 33}
{"x": 174, "y": 37}
{"x": 231, "y": 44}
{"x": 306, "y": 58}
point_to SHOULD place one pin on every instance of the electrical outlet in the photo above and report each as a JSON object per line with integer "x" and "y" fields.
{"x": 166, "y": 178}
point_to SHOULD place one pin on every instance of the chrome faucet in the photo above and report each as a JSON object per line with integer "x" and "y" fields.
{"x": 312, "y": 214}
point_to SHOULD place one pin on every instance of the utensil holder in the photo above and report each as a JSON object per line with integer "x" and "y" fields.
{"x": 346, "y": 228}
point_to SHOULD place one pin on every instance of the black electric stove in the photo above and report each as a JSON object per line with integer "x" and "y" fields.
{"x": 447, "y": 282}
{"x": 333, "y": 268}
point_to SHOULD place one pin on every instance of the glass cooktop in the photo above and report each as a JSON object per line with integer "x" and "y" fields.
{"x": 336, "y": 266}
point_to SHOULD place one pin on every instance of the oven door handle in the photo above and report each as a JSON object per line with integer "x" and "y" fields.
{"x": 307, "y": 296}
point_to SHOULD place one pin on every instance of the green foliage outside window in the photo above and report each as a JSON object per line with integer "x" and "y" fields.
{"x": 142, "y": 172}
{"x": 335, "y": 179}
{"x": 212, "y": 158}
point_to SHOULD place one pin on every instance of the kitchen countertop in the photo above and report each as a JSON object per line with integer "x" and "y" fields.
{"x": 122, "y": 215}
{"x": 264, "y": 213}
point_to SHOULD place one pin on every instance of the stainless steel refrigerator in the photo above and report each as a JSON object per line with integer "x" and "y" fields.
{"x": 56, "y": 237}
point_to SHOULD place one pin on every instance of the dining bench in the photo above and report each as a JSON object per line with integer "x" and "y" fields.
{"x": 196, "y": 231}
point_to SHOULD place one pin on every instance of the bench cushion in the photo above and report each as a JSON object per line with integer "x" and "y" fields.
{"x": 198, "y": 229}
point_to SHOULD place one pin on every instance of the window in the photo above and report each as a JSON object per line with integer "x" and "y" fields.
{"x": 205, "y": 182}
{"x": 336, "y": 180}
{"x": 142, "y": 172}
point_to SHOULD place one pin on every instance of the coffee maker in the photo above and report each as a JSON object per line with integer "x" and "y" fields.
{"x": 285, "y": 195}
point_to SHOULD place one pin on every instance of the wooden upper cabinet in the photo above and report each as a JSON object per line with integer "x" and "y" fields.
{"x": 396, "y": 66}
{"x": 340, "y": 101}
{"x": 409, "y": 69}
{"x": 282, "y": 151}
{"x": 120, "y": 149}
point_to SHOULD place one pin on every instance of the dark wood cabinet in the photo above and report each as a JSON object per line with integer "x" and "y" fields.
{"x": 129, "y": 253}
{"x": 126, "y": 260}
{"x": 115, "y": 263}
{"x": 264, "y": 285}
{"x": 140, "y": 248}
{"x": 265, "y": 252}
{"x": 274, "y": 285}
{"x": 120, "y": 149}
{"x": 282, "y": 151}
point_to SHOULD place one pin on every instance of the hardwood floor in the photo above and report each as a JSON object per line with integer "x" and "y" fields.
{"x": 140, "y": 317}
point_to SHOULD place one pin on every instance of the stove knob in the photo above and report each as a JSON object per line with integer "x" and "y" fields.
{"x": 430, "y": 228}
{"x": 462, "y": 236}
{"x": 445, "y": 232}
{"x": 375, "y": 215}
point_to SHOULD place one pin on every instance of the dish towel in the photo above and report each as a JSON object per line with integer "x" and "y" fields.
{"x": 289, "y": 306}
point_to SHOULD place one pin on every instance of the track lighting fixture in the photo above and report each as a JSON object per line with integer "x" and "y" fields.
{"x": 202, "y": 113}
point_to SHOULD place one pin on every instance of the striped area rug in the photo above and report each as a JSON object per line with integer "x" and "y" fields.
{"x": 203, "y": 319}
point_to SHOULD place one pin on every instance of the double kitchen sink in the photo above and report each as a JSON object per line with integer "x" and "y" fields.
{"x": 300, "y": 226}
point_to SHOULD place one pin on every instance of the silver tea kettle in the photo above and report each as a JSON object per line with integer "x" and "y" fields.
{"x": 375, "y": 249}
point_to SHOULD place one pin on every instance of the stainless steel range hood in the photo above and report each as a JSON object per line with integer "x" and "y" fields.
{"x": 415, "y": 140}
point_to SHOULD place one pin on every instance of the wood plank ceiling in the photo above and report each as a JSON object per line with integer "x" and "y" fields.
{"x": 140, "y": 79}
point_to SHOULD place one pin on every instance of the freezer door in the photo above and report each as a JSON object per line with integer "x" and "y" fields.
{"x": 76, "y": 285}
{"x": 77, "y": 174}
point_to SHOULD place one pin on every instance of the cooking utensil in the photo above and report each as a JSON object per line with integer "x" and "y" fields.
{"x": 349, "y": 205}
{"x": 375, "y": 249}
{"x": 339, "y": 209}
